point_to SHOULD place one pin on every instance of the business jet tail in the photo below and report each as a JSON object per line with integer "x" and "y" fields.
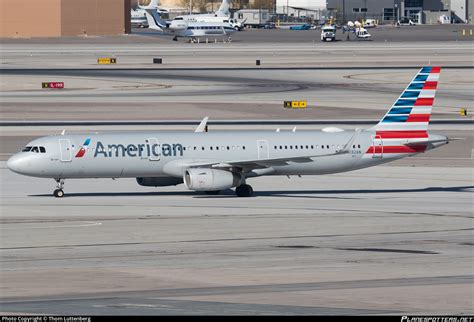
{"x": 223, "y": 10}
{"x": 152, "y": 5}
{"x": 154, "y": 20}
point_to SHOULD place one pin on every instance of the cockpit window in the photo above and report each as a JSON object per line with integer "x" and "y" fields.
{"x": 34, "y": 149}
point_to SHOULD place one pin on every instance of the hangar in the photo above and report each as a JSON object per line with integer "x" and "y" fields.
{"x": 55, "y": 18}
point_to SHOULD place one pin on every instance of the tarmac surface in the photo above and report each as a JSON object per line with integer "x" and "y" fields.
{"x": 393, "y": 239}
{"x": 384, "y": 240}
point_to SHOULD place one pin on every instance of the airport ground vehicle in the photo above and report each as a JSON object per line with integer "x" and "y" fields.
{"x": 305, "y": 26}
{"x": 328, "y": 33}
{"x": 215, "y": 161}
{"x": 444, "y": 20}
{"x": 405, "y": 21}
{"x": 370, "y": 23}
{"x": 269, "y": 25}
{"x": 362, "y": 33}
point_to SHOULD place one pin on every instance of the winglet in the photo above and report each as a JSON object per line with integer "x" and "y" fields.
{"x": 202, "y": 127}
{"x": 63, "y": 132}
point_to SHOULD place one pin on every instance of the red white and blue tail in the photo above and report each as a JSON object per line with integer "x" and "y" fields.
{"x": 410, "y": 114}
{"x": 403, "y": 130}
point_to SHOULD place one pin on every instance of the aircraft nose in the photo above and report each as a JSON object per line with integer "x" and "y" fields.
{"x": 15, "y": 163}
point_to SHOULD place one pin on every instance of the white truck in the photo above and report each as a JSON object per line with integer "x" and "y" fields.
{"x": 328, "y": 33}
{"x": 362, "y": 33}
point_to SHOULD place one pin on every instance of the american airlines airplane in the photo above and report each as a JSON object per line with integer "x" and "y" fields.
{"x": 188, "y": 29}
{"x": 214, "y": 161}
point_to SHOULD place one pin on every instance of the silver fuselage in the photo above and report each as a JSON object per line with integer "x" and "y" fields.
{"x": 163, "y": 153}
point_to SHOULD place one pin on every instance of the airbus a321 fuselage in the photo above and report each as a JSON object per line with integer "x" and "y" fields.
{"x": 214, "y": 161}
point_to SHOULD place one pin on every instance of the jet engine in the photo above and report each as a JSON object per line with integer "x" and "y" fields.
{"x": 178, "y": 25}
{"x": 210, "y": 179}
{"x": 159, "y": 181}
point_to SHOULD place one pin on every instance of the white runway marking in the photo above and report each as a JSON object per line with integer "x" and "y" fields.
{"x": 86, "y": 224}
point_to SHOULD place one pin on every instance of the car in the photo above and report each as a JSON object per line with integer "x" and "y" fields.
{"x": 305, "y": 26}
{"x": 270, "y": 25}
{"x": 405, "y": 21}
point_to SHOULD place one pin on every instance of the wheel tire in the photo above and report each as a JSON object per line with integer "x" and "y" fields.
{"x": 244, "y": 190}
{"x": 212, "y": 193}
{"x": 58, "y": 193}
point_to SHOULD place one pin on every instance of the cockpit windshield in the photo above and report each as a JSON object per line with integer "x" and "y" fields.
{"x": 34, "y": 149}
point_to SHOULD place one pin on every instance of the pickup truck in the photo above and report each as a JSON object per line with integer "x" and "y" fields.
{"x": 328, "y": 33}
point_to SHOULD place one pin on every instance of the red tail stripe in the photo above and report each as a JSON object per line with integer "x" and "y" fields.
{"x": 397, "y": 149}
{"x": 418, "y": 118}
{"x": 435, "y": 70}
{"x": 402, "y": 134}
{"x": 430, "y": 85}
{"x": 424, "y": 102}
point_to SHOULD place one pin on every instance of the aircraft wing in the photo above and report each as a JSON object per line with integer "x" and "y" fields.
{"x": 245, "y": 166}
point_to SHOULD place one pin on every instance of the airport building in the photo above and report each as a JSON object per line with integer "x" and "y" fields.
{"x": 389, "y": 11}
{"x": 55, "y": 18}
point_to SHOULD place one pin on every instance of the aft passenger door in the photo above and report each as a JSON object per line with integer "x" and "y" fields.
{"x": 65, "y": 150}
{"x": 262, "y": 148}
{"x": 377, "y": 147}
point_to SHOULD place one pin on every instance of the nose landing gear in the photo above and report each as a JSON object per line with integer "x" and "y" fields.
{"x": 59, "y": 193}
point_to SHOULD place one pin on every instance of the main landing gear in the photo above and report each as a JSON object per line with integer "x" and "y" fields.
{"x": 59, "y": 193}
{"x": 244, "y": 190}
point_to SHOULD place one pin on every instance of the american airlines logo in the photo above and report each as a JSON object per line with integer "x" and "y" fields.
{"x": 82, "y": 151}
{"x": 137, "y": 150}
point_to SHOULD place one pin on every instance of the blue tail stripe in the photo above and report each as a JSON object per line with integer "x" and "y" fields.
{"x": 410, "y": 94}
{"x": 416, "y": 86}
{"x": 395, "y": 118}
{"x": 402, "y": 102}
{"x": 426, "y": 70}
{"x": 420, "y": 78}
{"x": 86, "y": 143}
{"x": 400, "y": 110}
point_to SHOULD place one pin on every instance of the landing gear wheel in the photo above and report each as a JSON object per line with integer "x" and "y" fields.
{"x": 244, "y": 190}
{"x": 213, "y": 193}
{"x": 58, "y": 193}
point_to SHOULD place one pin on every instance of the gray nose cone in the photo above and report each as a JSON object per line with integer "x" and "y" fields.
{"x": 15, "y": 163}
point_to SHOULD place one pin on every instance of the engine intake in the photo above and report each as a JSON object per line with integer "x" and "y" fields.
{"x": 210, "y": 179}
{"x": 159, "y": 181}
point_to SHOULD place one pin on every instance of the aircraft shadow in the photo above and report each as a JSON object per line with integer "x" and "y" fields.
{"x": 268, "y": 193}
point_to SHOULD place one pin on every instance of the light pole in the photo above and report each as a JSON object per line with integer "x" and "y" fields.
{"x": 395, "y": 12}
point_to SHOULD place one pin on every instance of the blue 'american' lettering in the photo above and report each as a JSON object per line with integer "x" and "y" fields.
{"x": 137, "y": 150}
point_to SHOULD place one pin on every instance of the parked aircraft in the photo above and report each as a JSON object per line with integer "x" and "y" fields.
{"x": 192, "y": 30}
{"x": 214, "y": 161}
{"x": 138, "y": 16}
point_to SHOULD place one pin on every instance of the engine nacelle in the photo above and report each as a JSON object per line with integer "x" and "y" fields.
{"x": 178, "y": 25}
{"x": 159, "y": 181}
{"x": 210, "y": 179}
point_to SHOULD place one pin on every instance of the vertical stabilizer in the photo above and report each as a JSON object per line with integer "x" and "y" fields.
{"x": 412, "y": 110}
